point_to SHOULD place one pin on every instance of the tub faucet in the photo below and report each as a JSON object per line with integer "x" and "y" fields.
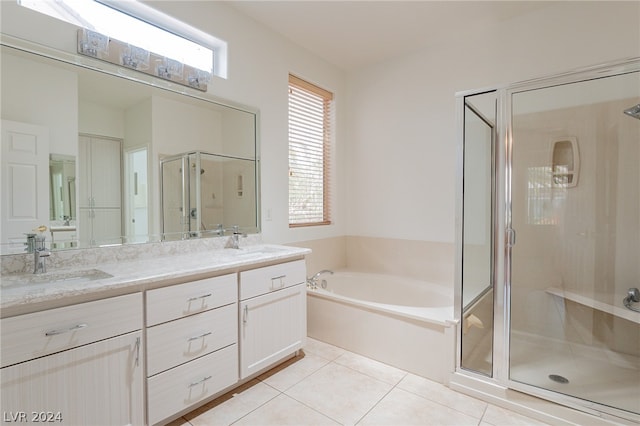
{"x": 312, "y": 282}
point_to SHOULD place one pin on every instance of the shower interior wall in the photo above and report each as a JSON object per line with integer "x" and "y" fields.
{"x": 580, "y": 240}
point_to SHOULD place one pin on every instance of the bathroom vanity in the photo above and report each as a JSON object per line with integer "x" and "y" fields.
{"x": 145, "y": 341}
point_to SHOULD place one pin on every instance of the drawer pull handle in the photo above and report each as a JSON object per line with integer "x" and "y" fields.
{"x": 281, "y": 277}
{"x": 192, "y": 299}
{"x": 199, "y": 382}
{"x": 137, "y": 351}
{"x": 245, "y": 314}
{"x": 199, "y": 337}
{"x": 68, "y": 330}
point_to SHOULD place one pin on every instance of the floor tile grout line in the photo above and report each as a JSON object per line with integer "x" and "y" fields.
{"x": 338, "y": 364}
{"x": 376, "y": 404}
{"x": 259, "y": 406}
{"x": 306, "y": 405}
{"x": 299, "y": 381}
{"x": 445, "y": 405}
{"x": 313, "y": 409}
{"x": 369, "y": 375}
{"x": 327, "y": 362}
{"x": 486, "y": 407}
{"x": 406, "y": 373}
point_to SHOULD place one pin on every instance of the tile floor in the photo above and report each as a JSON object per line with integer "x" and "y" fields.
{"x": 327, "y": 385}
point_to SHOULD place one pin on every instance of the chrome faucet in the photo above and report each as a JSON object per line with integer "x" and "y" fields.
{"x": 312, "y": 282}
{"x": 40, "y": 254}
{"x": 234, "y": 241}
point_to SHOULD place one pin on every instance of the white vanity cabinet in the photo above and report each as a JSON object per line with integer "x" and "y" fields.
{"x": 272, "y": 314}
{"x": 76, "y": 365}
{"x": 192, "y": 351}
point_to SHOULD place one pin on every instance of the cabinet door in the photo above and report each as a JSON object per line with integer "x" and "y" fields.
{"x": 84, "y": 175}
{"x": 106, "y": 172}
{"x": 107, "y": 226}
{"x": 96, "y": 384}
{"x": 272, "y": 326}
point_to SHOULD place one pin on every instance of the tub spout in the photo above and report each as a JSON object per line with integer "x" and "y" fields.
{"x": 312, "y": 282}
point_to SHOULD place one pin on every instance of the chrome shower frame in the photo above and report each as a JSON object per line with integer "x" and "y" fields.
{"x": 500, "y": 389}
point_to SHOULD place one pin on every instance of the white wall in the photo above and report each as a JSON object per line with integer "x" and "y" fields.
{"x": 405, "y": 187}
{"x": 57, "y": 105}
{"x": 258, "y": 66}
{"x": 100, "y": 120}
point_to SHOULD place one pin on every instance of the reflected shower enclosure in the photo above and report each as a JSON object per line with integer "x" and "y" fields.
{"x": 196, "y": 186}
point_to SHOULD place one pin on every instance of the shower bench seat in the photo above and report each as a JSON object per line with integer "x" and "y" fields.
{"x": 587, "y": 300}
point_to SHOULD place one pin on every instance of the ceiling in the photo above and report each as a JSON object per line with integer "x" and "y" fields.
{"x": 352, "y": 34}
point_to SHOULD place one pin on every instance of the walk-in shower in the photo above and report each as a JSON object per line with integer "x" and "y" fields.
{"x": 549, "y": 239}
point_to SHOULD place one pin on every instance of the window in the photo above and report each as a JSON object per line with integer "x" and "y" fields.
{"x": 103, "y": 19}
{"x": 544, "y": 199}
{"x": 310, "y": 121}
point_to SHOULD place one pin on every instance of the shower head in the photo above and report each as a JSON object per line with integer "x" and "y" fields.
{"x": 634, "y": 111}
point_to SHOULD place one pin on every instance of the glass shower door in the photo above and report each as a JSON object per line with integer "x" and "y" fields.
{"x": 575, "y": 206}
{"x": 476, "y": 341}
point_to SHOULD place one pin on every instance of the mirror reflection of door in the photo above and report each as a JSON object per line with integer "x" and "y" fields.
{"x": 477, "y": 259}
{"x": 136, "y": 195}
{"x": 25, "y": 181}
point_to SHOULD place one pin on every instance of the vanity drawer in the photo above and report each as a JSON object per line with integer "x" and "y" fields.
{"x": 180, "y": 388}
{"x": 41, "y": 333}
{"x": 182, "y": 340}
{"x": 270, "y": 278}
{"x": 177, "y": 301}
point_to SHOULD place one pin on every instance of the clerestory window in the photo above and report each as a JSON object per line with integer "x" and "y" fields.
{"x": 103, "y": 19}
{"x": 310, "y": 124}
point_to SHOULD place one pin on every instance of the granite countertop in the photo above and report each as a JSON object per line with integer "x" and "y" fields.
{"x": 23, "y": 293}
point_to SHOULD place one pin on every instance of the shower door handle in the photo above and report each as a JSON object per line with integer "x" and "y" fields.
{"x": 511, "y": 237}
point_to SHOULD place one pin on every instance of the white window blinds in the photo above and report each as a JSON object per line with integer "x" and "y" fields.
{"x": 309, "y": 155}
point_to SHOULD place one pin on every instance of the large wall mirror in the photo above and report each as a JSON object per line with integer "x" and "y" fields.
{"x": 82, "y": 150}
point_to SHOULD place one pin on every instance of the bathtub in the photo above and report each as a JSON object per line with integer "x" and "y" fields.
{"x": 403, "y": 322}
